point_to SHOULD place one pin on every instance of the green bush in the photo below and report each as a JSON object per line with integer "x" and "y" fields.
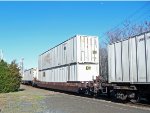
{"x": 10, "y": 78}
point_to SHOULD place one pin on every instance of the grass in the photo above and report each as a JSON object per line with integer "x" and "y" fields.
{"x": 28, "y": 101}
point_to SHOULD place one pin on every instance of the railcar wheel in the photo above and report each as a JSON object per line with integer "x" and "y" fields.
{"x": 87, "y": 92}
{"x": 121, "y": 95}
{"x": 124, "y": 97}
{"x": 136, "y": 99}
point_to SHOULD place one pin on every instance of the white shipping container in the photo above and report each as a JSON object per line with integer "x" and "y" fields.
{"x": 78, "y": 72}
{"x": 76, "y": 59}
{"x": 79, "y": 49}
{"x": 129, "y": 60}
{"x": 30, "y": 74}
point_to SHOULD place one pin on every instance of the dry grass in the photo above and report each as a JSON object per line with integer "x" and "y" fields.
{"x": 28, "y": 100}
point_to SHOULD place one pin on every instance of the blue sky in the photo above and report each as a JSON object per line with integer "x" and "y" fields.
{"x": 27, "y": 29}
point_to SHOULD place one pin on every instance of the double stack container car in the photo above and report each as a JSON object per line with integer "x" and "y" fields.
{"x": 70, "y": 65}
{"x": 73, "y": 66}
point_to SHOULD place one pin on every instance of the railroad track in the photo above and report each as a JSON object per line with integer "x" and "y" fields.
{"x": 144, "y": 103}
{"x": 140, "y": 104}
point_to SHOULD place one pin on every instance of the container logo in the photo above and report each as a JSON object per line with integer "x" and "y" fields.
{"x": 88, "y": 67}
{"x": 142, "y": 39}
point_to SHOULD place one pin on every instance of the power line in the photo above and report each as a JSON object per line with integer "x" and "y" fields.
{"x": 127, "y": 18}
{"x": 130, "y": 17}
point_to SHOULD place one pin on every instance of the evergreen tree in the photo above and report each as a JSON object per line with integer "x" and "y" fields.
{"x": 10, "y": 78}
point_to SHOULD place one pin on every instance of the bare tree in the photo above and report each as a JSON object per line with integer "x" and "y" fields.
{"x": 127, "y": 30}
{"x": 103, "y": 62}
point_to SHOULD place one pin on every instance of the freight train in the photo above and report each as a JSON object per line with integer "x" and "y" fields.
{"x": 73, "y": 66}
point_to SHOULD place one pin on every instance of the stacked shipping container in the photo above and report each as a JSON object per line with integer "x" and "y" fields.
{"x": 76, "y": 59}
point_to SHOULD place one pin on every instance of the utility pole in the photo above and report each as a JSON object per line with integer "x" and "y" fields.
{"x": 22, "y": 67}
{"x": 100, "y": 61}
{"x": 1, "y": 55}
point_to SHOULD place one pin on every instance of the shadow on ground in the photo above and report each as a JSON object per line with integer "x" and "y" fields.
{"x": 21, "y": 89}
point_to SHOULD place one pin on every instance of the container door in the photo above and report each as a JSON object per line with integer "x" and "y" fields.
{"x": 82, "y": 45}
{"x": 85, "y": 49}
{"x": 82, "y": 56}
